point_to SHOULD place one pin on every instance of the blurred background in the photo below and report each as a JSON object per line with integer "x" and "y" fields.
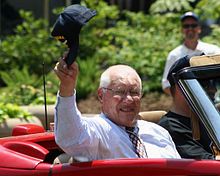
{"x": 136, "y": 32}
{"x": 42, "y": 9}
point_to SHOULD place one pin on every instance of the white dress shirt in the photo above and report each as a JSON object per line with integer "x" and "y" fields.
{"x": 99, "y": 138}
{"x": 182, "y": 51}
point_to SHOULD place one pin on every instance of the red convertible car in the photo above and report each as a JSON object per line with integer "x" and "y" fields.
{"x": 32, "y": 151}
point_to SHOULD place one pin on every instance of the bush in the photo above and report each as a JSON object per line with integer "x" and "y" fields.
{"x": 88, "y": 78}
{"x": 112, "y": 37}
{"x": 12, "y": 111}
{"x": 30, "y": 46}
{"x": 24, "y": 88}
{"x": 136, "y": 39}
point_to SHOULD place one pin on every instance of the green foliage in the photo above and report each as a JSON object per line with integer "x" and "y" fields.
{"x": 88, "y": 78}
{"x": 25, "y": 95}
{"x": 208, "y": 9}
{"x": 214, "y": 37}
{"x": 112, "y": 37}
{"x": 163, "y": 6}
{"x": 12, "y": 111}
{"x": 16, "y": 77}
{"x": 30, "y": 45}
{"x": 138, "y": 40}
{"x": 24, "y": 88}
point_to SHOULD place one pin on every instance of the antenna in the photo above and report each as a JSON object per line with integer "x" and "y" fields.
{"x": 45, "y": 98}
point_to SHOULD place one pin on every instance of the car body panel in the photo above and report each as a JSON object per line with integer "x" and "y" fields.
{"x": 16, "y": 163}
{"x": 142, "y": 167}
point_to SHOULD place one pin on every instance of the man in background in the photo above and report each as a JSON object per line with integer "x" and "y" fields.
{"x": 191, "y": 45}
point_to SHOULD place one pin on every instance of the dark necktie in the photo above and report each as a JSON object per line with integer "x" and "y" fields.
{"x": 136, "y": 141}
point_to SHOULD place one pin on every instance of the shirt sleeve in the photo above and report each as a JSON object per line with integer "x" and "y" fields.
{"x": 72, "y": 133}
{"x": 169, "y": 62}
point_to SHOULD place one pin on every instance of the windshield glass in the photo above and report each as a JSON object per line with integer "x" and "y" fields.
{"x": 212, "y": 88}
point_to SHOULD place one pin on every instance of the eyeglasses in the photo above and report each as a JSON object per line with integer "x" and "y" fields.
{"x": 123, "y": 92}
{"x": 187, "y": 26}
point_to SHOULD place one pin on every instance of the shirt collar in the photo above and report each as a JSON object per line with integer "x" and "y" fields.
{"x": 136, "y": 130}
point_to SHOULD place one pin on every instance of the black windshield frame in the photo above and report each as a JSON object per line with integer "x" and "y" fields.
{"x": 202, "y": 104}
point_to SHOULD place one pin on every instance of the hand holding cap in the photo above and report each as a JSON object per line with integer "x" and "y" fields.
{"x": 68, "y": 25}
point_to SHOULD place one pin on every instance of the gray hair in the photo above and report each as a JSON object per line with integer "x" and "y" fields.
{"x": 105, "y": 79}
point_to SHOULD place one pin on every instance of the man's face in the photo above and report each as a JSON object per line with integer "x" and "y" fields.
{"x": 190, "y": 29}
{"x": 121, "y": 100}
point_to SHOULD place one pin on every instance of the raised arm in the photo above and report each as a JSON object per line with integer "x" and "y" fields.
{"x": 67, "y": 76}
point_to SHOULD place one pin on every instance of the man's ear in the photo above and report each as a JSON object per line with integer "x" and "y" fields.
{"x": 100, "y": 94}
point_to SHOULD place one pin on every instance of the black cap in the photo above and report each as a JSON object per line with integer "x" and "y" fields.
{"x": 68, "y": 25}
{"x": 189, "y": 15}
{"x": 177, "y": 66}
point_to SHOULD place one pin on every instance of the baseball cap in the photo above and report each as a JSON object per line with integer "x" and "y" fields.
{"x": 186, "y": 61}
{"x": 68, "y": 25}
{"x": 189, "y": 14}
{"x": 177, "y": 66}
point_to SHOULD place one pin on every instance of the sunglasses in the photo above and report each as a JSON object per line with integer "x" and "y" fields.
{"x": 187, "y": 26}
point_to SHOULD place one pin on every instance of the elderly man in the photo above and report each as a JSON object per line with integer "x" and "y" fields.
{"x": 116, "y": 132}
